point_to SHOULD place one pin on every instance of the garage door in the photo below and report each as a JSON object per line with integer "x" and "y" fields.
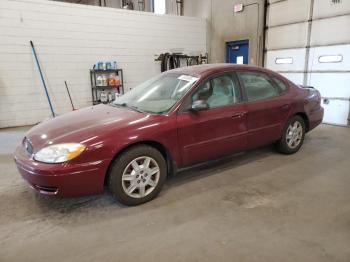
{"x": 308, "y": 41}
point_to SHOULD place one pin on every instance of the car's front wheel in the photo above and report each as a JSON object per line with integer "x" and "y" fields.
{"x": 137, "y": 175}
{"x": 293, "y": 136}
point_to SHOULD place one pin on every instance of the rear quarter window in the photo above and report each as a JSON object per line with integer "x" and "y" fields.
{"x": 280, "y": 84}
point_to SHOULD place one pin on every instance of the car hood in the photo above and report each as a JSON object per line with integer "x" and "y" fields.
{"x": 83, "y": 125}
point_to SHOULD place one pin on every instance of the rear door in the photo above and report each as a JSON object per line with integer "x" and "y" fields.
{"x": 217, "y": 131}
{"x": 267, "y": 107}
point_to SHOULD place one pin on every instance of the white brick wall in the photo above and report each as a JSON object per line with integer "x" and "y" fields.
{"x": 69, "y": 39}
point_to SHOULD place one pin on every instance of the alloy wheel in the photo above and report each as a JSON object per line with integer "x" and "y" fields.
{"x": 140, "y": 177}
{"x": 294, "y": 134}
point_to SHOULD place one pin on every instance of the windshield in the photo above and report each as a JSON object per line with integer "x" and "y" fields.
{"x": 158, "y": 94}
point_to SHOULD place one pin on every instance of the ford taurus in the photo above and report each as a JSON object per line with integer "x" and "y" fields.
{"x": 176, "y": 119}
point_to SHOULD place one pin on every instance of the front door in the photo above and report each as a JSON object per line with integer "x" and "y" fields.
{"x": 220, "y": 129}
{"x": 237, "y": 52}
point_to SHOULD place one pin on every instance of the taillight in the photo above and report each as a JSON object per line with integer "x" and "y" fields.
{"x": 318, "y": 96}
{"x": 313, "y": 99}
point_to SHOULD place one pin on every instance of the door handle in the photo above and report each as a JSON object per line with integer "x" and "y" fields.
{"x": 285, "y": 107}
{"x": 238, "y": 115}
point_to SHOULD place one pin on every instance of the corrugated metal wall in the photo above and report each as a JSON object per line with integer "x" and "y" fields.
{"x": 308, "y": 41}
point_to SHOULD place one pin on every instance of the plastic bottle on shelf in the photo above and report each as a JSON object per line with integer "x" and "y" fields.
{"x": 111, "y": 80}
{"x": 104, "y": 97}
{"x": 99, "y": 81}
{"x": 117, "y": 81}
{"x": 110, "y": 97}
{"x": 115, "y": 65}
{"x": 100, "y": 65}
{"x": 108, "y": 65}
{"x": 104, "y": 80}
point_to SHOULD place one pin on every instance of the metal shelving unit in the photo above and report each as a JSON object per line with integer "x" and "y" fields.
{"x": 96, "y": 90}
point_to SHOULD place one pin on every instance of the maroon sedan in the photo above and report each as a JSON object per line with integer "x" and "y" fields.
{"x": 177, "y": 119}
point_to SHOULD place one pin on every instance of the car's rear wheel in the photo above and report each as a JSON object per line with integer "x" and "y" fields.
{"x": 137, "y": 175}
{"x": 293, "y": 136}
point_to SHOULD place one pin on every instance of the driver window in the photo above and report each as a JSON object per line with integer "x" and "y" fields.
{"x": 217, "y": 92}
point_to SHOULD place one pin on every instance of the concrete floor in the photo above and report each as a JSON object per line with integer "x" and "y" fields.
{"x": 257, "y": 206}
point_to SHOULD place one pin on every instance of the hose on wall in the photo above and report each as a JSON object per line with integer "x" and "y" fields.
{"x": 171, "y": 61}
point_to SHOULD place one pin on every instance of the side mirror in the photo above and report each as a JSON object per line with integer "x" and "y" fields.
{"x": 199, "y": 105}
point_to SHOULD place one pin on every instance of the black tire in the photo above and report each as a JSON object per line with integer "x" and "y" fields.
{"x": 115, "y": 182}
{"x": 282, "y": 145}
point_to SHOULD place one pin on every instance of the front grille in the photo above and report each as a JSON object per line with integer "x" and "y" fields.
{"x": 28, "y": 146}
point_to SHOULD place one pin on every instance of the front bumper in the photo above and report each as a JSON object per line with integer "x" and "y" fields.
{"x": 62, "y": 180}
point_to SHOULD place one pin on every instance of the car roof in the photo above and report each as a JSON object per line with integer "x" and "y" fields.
{"x": 208, "y": 69}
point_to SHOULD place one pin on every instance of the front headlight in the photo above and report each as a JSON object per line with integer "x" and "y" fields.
{"x": 59, "y": 153}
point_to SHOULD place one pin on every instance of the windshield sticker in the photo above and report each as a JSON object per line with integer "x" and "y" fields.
{"x": 188, "y": 78}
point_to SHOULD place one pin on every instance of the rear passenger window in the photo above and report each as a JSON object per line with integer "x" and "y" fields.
{"x": 258, "y": 86}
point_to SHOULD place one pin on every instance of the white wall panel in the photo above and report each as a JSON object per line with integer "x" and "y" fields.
{"x": 316, "y": 53}
{"x": 288, "y": 36}
{"x": 331, "y": 84}
{"x": 296, "y": 78}
{"x": 336, "y": 112}
{"x": 329, "y": 37}
{"x": 329, "y": 31}
{"x": 323, "y": 8}
{"x": 69, "y": 39}
{"x": 298, "y": 11}
{"x": 297, "y": 56}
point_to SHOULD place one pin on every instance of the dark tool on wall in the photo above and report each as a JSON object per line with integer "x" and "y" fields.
{"x": 104, "y": 3}
{"x": 179, "y": 7}
{"x": 42, "y": 78}
{"x": 141, "y": 5}
{"x": 127, "y": 4}
{"x": 171, "y": 61}
{"x": 70, "y": 98}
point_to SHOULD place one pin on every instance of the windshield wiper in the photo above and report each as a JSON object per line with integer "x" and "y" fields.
{"x": 116, "y": 104}
{"x": 135, "y": 108}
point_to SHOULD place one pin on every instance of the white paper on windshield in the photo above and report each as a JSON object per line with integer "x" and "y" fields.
{"x": 188, "y": 78}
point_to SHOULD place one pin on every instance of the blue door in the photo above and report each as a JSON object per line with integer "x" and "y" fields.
{"x": 237, "y": 52}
